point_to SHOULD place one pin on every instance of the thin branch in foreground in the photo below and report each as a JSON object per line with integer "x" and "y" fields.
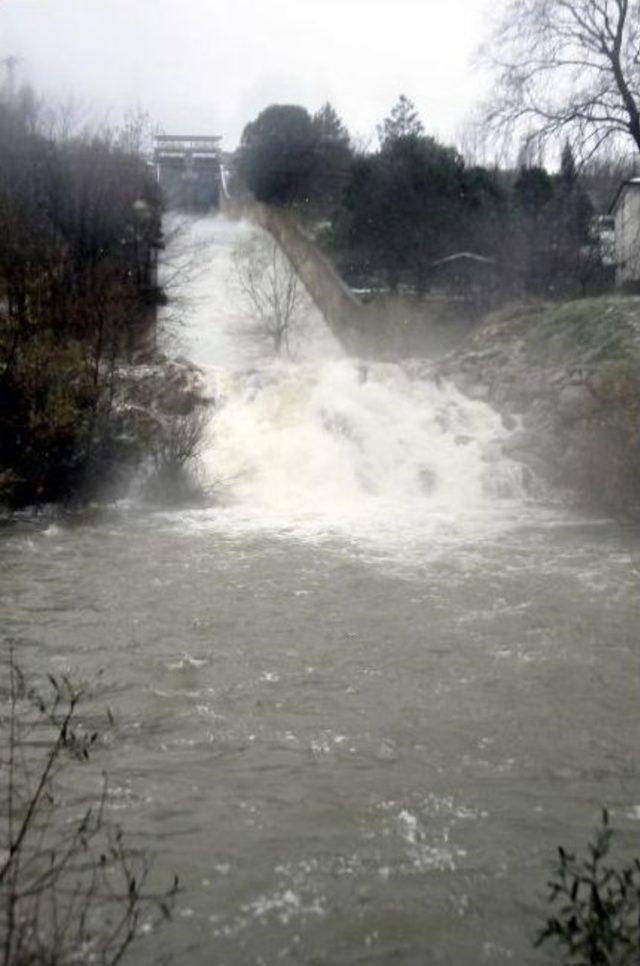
{"x": 74, "y": 889}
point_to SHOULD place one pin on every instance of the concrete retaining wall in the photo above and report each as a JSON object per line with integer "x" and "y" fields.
{"x": 346, "y": 316}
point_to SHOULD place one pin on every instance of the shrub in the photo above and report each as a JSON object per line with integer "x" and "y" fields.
{"x": 174, "y": 452}
{"x": 598, "y": 920}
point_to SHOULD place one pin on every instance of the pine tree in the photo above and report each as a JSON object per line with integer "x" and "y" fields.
{"x": 402, "y": 122}
{"x": 568, "y": 170}
{"x": 328, "y": 125}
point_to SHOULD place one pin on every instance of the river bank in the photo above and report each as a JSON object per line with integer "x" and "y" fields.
{"x": 567, "y": 376}
{"x": 363, "y": 693}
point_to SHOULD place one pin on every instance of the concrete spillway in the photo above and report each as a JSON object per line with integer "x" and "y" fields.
{"x": 345, "y": 314}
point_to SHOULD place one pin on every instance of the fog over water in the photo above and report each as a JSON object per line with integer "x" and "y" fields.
{"x": 364, "y": 692}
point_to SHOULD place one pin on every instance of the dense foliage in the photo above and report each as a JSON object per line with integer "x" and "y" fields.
{"x": 400, "y": 210}
{"x": 80, "y": 225}
{"x": 412, "y": 204}
{"x": 289, "y": 157}
{"x": 413, "y": 214}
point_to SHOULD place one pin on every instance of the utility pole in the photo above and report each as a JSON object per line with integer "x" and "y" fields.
{"x": 10, "y": 64}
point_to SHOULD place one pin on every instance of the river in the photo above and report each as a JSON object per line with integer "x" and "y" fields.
{"x": 364, "y": 692}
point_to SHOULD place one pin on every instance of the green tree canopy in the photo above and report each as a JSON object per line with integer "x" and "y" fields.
{"x": 328, "y": 126}
{"x": 81, "y": 225}
{"x": 276, "y": 153}
{"x": 401, "y": 206}
{"x": 289, "y": 157}
{"x": 533, "y": 189}
{"x": 403, "y": 122}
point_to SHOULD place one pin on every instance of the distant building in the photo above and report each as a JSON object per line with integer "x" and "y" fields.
{"x": 626, "y": 214}
{"x": 468, "y": 276}
{"x": 188, "y": 169}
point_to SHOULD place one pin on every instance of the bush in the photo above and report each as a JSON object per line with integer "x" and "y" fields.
{"x": 598, "y": 921}
{"x": 174, "y": 451}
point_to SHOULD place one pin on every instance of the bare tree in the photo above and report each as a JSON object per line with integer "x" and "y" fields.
{"x": 568, "y": 68}
{"x": 603, "y": 175}
{"x": 274, "y": 297}
{"x": 178, "y": 444}
{"x": 136, "y": 132}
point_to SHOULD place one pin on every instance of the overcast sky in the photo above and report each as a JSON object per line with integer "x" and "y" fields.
{"x": 209, "y": 66}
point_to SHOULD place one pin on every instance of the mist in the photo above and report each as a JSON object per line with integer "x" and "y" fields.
{"x": 208, "y": 67}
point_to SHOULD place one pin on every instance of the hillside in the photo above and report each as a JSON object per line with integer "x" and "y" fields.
{"x": 569, "y": 375}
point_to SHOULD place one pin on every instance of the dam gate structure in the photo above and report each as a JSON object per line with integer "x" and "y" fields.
{"x": 188, "y": 170}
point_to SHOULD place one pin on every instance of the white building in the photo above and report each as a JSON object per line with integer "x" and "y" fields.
{"x": 626, "y": 212}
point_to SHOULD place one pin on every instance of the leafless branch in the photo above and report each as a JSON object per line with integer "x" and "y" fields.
{"x": 567, "y": 68}
{"x": 274, "y": 298}
{"x": 69, "y": 891}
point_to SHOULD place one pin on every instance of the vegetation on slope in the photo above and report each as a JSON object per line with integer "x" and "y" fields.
{"x": 571, "y": 372}
{"x": 80, "y": 227}
{"x": 392, "y": 217}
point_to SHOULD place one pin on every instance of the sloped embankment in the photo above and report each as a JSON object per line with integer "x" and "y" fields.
{"x": 571, "y": 374}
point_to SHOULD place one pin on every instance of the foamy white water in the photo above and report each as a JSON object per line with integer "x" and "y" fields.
{"x": 357, "y": 708}
{"x": 328, "y": 442}
{"x": 346, "y": 442}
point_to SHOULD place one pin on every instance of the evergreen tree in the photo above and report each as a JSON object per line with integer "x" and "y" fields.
{"x": 533, "y": 189}
{"x": 401, "y": 211}
{"x": 276, "y": 154}
{"x": 568, "y": 170}
{"x": 289, "y": 158}
{"x": 402, "y": 122}
{"x": 328, "y": 125}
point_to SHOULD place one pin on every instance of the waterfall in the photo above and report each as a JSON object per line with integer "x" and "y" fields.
{"x": 331, "y": 440}
{"x": 342, "y": 434}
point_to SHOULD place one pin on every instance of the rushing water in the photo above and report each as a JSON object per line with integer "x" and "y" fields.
{"x": 362, "y": 696}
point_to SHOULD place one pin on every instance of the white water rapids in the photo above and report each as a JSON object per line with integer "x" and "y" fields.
{"x": 360, "y": 695}
{"x": 325, "y": 442}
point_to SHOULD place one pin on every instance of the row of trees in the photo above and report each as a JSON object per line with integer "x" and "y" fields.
{"x": 393, "y": 215}
{"x": 81, "y": 224}
{"x": 566, "y": 70}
